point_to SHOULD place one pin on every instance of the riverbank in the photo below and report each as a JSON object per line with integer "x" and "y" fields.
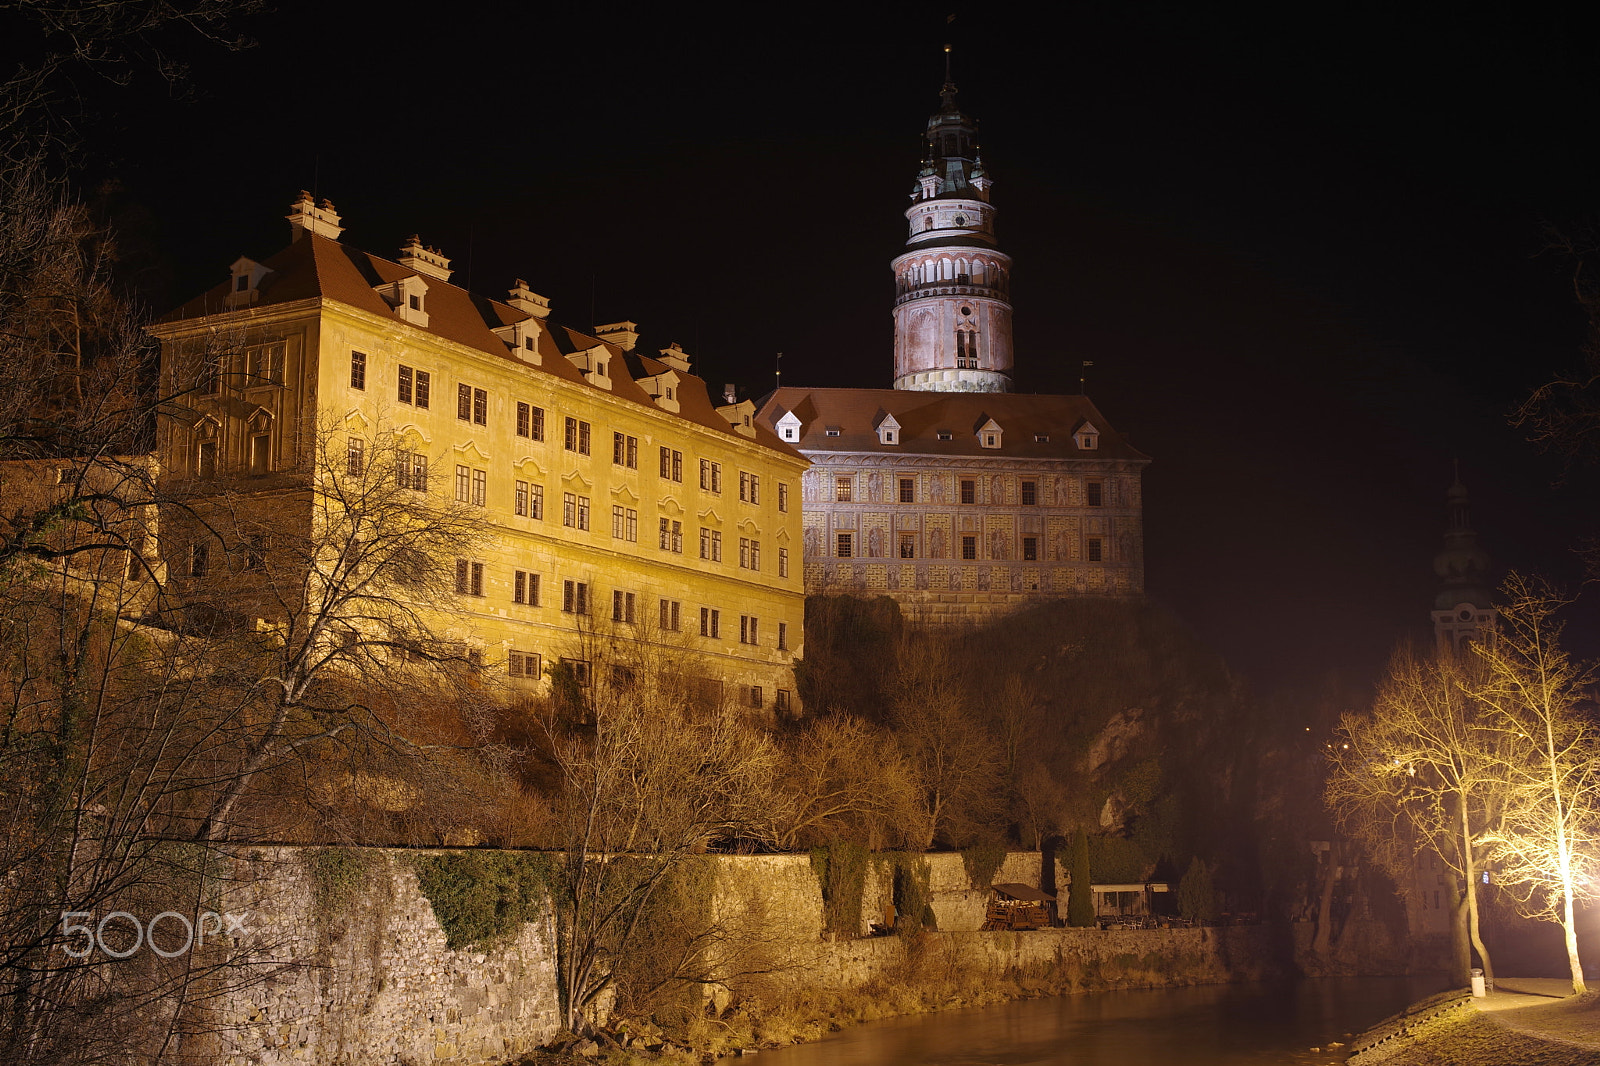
{"x": 1525, "y": 1022}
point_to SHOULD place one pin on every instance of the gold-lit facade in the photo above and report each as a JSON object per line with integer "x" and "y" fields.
{"x": 622, "y": 507}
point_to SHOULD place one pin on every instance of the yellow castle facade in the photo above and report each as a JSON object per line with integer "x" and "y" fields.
{"x": 621, "y": 505}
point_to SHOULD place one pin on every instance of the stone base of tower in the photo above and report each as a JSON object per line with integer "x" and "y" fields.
{"x": 954, "y": 381}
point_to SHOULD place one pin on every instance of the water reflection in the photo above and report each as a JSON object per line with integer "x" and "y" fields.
{"x": 1236, "y": 1025}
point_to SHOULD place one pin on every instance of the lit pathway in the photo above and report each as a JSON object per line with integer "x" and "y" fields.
{"x": 1546, "y": 1009}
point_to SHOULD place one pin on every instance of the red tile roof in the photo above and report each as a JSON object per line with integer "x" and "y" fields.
{"x": 315, "y": 266}
{"x": 924, "y": 415}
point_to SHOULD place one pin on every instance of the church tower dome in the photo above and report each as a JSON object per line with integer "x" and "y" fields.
{"x": 952, "y": 318}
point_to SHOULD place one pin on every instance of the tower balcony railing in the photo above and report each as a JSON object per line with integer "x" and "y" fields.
{"x": 950, "y": 288}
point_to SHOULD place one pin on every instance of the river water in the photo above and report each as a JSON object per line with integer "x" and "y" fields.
{"x": 1272, "y": 1024}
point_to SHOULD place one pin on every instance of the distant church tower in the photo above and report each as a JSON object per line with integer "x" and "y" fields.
{"x": 1461, "y": 610}
{"x": 952, "y": 321}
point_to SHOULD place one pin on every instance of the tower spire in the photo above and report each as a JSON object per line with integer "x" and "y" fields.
{"x": 952, "y": 318}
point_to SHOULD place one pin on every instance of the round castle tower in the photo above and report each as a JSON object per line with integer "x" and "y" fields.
{"x": 952, "y": 321}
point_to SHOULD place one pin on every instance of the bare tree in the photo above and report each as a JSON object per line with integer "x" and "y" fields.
{"x": 1422, "y": 771}
{"x": 643, "y": 791}
{"x": 322, "y": 595}
{"x": 842, "y": 779}
{"x": 954, "y": 759}
{"x": 1547, "y": 840}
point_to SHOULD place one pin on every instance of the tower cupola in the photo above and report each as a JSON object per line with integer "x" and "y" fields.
{"x": 952, "y": 318}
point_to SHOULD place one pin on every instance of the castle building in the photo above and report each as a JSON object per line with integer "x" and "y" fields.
{"x": 1462, "y": 610}
{"x": 949, "y": 492}
{"x": 620, "y": 504}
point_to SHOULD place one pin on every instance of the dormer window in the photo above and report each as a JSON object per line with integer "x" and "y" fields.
{"x": 407, "y": 297}
{"x": 1041, "y": 438}
{"x": 888, "y": 429}
{"x": 788, "y": 427}
{"x": 247, "y": 278}
{"x": 833, "y": 431}
{"x": 1087, "y": 438}
{"x": 990, "y": 434}
{"x": 669, "y": 392}
{"x": 415, "y": 302}
{"x": 945, "y": 434}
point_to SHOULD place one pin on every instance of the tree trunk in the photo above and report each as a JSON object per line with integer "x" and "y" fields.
{"x": 1460, "y": 945}
{"x": 1571, "y": 932}
{"x": 1473, "y": 927}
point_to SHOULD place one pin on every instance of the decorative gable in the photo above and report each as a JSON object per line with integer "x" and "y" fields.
{"x": 888, "y": 428}
{"x": 990, "y": 435}
{"x": 429, "y": 261}
{"x": 594, "y": 363}
{"x": 663, "y": 388}
{"x": 1086, "y": 436}
{"x": 247, "y": 278}
{"x": 741, "y": 416}
{"x": 522, "y": 338}
{"x": 408, "y": 297}
{"x": 789, "y": 427}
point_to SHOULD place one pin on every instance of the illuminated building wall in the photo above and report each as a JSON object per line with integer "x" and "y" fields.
{"x": 601, "y": 471}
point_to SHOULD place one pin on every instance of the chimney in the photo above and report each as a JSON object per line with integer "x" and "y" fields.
{"x": 427, "y": 261}
{"x": 623, "y": 334}
{"x": 527, "y": 301}
{"x": 730, "y": 393}
{"x": 305, "y": 216}
{"x": 675, "y": 357}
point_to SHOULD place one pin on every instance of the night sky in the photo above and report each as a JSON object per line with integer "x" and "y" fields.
{"x": 1303, "y": 255}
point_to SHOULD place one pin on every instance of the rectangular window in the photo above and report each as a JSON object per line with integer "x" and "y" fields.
{"x": 625, "y": 450}
{"x": 622, "y": 606}
{"x": 211, "y": 369}
{"x": 575, "y": 597}
{"x": 413, "y": 386}
{"x": 206, "y": 459}
{"x": 1094, "y": 494}
{"x": 463, "y": 484}
{"x": 783, "y": 562}
{"x": 756, "y": 697}
{"x": 783, "y": 636}
{"x": 908, "y": 545}
{"x": 782, "y": 703}
{"x": 710, "y": 476}
{"x": 749, "y": 487}
{"x": 624, "y": 523}
{"x": 569, "y": 509}
{"x": 845, "y": 544}
{"x": 358, "y": 370}
{"x": 577, "y": 436}
{"x": 480, "y": 407}
{"x": 1095, "y": 550}
{"x": 520, "y": 499}
{"x": 783, "y": 496}
{"x": 666, "y": 462}
{"x": 969, "y": 491}
{"x": 536, "y": 502}
{"x": 355, "y": 456}
{"x": 265, "y": 365}
{"x": 747, "y": 629}
{"x": 710, "y": 544}
{"x": 464, "y": 402}
{"x": 411, "y": 471}
{"x": 530, "y": 421}
{"x": 469, "y": 577}
{"x": 1030, "y": 493}
{"x": 710, "y": 622}
{"x": 908, "y": 490}
{"x": 480, "y": 488}
{"x": 526, "y": 588}
{"x": 1030, "y": 549}
{"x": 583, "y": 512}
{"x": 261, "y": 453}
{"x": 969, "y": 547}
{"x": 843, "y": 489}
{"x": 524, "y": 664}
{"x": 671, "y": 535}
{"x": 255, "y": 555}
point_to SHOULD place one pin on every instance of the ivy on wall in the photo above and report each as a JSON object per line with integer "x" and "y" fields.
{"x": 481, "y": 898}
{"x": 841, "y": 870}
{"x": 982, "y": 862}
